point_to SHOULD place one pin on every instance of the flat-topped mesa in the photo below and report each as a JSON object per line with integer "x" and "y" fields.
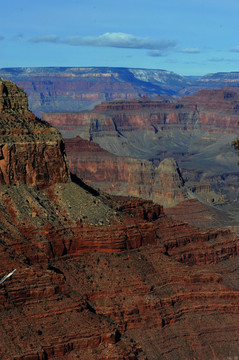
{"x": 31, "y": 151}
{"x": 220, "y": 101}
{"x": 133, "y": 104}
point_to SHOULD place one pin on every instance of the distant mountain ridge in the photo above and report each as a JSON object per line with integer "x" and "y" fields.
{"x": 52, "y": 89}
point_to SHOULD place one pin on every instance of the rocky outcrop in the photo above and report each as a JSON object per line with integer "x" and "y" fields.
{"x": 31, "y": 151}
{"x": 104, "y": 277}
{"x": 12, "y": 97}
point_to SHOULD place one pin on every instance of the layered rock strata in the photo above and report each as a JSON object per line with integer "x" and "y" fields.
{"x": 167, "y": 299}
{"x": 102, "y": 277}
{"x": 197, "y": 131}
{"x": 74, "y": 89}
{"x": 31, "y": 151}
{"x": 163, "y": 183}
{"x": 208, "y": 108}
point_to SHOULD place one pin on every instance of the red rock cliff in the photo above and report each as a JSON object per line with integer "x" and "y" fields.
{"x": 31, "y": 151}
{"x": 214, "y": 108}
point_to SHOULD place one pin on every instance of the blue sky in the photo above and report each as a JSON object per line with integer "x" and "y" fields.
{"x": 189, "y": 37}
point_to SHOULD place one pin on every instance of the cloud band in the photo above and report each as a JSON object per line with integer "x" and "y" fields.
{"x": 116, "y": 40}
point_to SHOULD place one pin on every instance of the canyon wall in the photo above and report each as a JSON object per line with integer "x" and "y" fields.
{"x": 197, "y": 131}
{"x": 207, "y": 110}
{"x": 74, "y": 89}
{"x": 163, "y": 183}
{"x": 65, "y": 89}
{"x": 106, "y": 277}
{"x": 139, "y": 288}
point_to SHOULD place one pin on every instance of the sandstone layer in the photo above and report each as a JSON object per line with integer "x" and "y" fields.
{"x": 108, "y": 278}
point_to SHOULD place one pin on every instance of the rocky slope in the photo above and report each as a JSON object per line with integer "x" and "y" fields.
{"x": 177, "y": 297}
{"x": 100, "y": 277}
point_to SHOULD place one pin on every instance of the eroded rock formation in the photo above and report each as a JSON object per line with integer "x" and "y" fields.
{"x": 163, "y": 183}
{"x": 12, "y": 98}
{"x": 104, "y": 277}
{"x": 197, "y": 131}
{"x": 214, "y": 108}
{"x": 31, "y": 151}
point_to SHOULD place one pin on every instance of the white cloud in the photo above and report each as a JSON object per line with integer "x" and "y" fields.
{"x": 121, "y": 40}
{"x": 117, "y": 40}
